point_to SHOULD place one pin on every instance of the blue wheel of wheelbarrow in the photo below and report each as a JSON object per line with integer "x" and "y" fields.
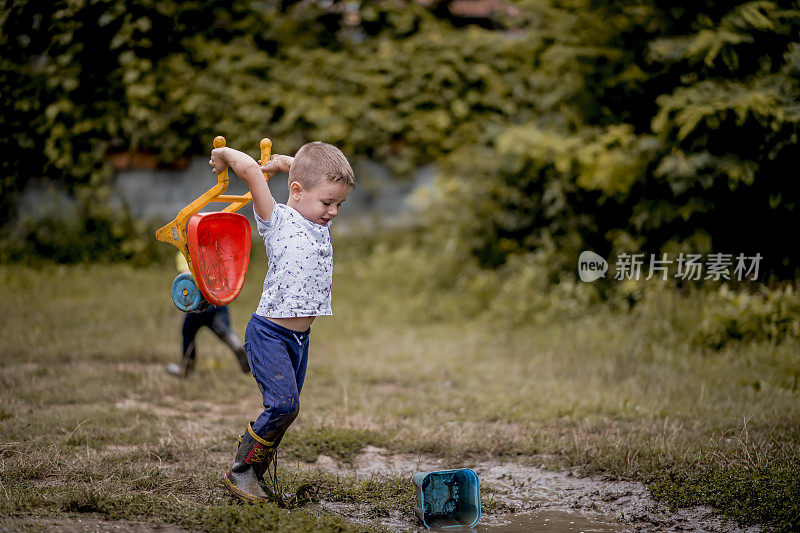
{"x": 186, "y": 296}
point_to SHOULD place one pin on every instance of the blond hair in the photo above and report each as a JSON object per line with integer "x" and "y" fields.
{"x": 318, "y": 161}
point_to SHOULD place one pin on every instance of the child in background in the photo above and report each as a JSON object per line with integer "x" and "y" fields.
{"x": 297, "y": 288}
{"x": 218, "y": 320}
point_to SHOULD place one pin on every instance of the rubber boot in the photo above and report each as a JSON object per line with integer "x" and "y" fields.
{"x": 252, "y": 459}
{"x": 261, "y": 468}
{"x": 304, "y": 494}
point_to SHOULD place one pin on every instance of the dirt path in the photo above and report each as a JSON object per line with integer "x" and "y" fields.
{"x": 85, "y": 524}
{"x": 622, "y": 505}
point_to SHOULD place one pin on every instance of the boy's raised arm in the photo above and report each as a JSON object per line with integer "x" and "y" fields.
{"x": 248, "y": 170}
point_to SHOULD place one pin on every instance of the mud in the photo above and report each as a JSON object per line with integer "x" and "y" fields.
{"x": 84, "y": 524}
{"x": 541, "y": 500}
{"x": 548, "y": 521}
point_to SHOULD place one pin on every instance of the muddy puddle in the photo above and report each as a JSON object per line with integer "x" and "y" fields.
{"x": 538, "y": 522}
{"x": 542, "y": 500}
{"x": 545, "y": 521}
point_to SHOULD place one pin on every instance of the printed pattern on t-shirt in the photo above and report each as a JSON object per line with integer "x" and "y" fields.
{"x": 300, "y": 273}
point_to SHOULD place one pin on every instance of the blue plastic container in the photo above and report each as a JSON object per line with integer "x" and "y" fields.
{"x": 448, "y": 498}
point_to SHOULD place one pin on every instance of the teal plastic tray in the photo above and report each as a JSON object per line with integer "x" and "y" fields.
{"x": 448, "y": 498}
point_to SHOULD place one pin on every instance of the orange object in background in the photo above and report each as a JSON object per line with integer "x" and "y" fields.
{"x": 219, "y": 246}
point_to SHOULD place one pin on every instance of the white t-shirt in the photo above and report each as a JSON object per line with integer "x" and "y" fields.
{"x": 300, "y": 273}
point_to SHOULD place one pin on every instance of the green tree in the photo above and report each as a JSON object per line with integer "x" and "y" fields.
{"x": 660, "y": 126}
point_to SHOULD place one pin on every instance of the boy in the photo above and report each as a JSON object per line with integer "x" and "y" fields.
{"x": 297, "y": 289}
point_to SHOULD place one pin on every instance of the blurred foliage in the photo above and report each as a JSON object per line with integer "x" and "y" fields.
{"x": 74, "y": 231}
{"x": 640, "y": 125}
{"x": 659, "y": 127}
{"x": 524, "y": 290}
{"x": 738, "y": 315}
{"x": 90, "y": 78}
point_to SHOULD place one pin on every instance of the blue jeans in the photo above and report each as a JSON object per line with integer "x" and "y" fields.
{"x": 278, "y": 358}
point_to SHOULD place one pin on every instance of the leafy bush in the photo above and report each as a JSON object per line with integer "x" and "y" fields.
{"x": 766, "y": 315}
{"x": 415, "y": 288}
{"x": 64, "y": 229}
{"x": 656, "y": 128}
{"x": 527, "y": 293}
{"x": 86, "y": 79}
{"x": 590, "y": 125}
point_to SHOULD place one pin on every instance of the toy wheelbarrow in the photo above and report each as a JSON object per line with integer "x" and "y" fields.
{"x": 216, "y": 245}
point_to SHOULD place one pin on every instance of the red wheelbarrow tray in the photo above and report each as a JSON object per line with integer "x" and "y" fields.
{"x": 219, "y": 246}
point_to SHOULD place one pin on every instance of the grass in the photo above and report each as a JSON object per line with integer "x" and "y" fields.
{"x": 90, "y": 423}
